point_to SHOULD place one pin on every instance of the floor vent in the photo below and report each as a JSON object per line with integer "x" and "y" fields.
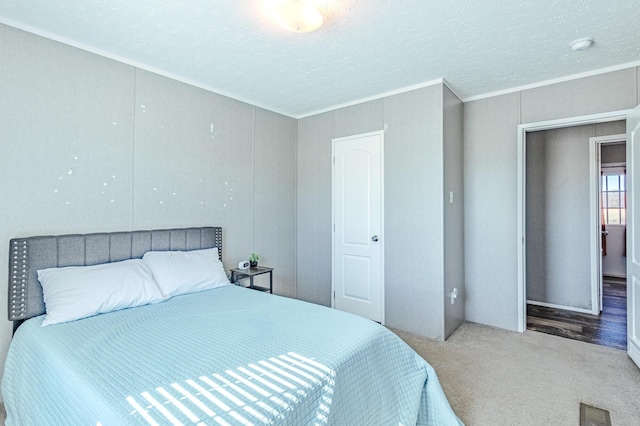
{"x": 594, "y": 416}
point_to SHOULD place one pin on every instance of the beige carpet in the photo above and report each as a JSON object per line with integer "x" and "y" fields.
{"x": 497, "y": 377}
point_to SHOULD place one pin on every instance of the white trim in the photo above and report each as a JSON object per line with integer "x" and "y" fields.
{"x": 633, "y": 351}
{"x": 373, "y": 98}
{"x": 563, "y": 307}
{"x": 576, "y": 121}
{"x": 543, "y": 83}
{"x": 382, "y": 234}
{"x": 595, "y": 236}
{"x": 633, "y": 344}
{"x": 612, "y": 139}
{"x": 521, "y": 242}
{"x": 446, "y": 83}
{"x": 333, "y": 223}
{"x": 521, "y": 185}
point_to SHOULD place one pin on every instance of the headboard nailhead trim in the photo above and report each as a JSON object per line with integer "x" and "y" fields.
{"x": 18, "y": 272}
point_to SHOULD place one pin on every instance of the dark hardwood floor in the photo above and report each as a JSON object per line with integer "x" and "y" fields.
{"x": 607, "y": 329}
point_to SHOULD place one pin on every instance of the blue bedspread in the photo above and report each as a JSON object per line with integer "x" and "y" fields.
{"x": 224, "y": 356}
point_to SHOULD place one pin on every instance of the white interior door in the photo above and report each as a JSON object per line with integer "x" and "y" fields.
{"x": 633, "y": 235}
{"x": 358, "y": 275}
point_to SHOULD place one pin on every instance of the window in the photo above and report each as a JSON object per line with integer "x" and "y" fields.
{"x": 614, "y": 199}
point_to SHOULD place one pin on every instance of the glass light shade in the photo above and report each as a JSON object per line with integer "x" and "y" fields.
{"x": 298, "y": 16}
{"x": 581, "y": 43}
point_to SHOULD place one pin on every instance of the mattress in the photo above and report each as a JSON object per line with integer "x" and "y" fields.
{"x": 229, "y": 356}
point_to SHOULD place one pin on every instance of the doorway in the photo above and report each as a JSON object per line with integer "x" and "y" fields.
{"x": 562, "y": 180}
{"x": 606, "y": 325}
{"x": 612, "y": 208}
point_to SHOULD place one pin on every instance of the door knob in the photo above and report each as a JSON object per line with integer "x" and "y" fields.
{"x": 374, "y": 238}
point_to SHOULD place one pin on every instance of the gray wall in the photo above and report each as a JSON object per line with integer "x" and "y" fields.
{"x": 490, "y": 181}
{"x": 413, "y": 211}
{"x": 414, "y": 124}
{"x": 490, "y": 218}
{"x": 613, "y": 153}
{"x": 453, "y": 212}
{"x": 614, "y": 264}
{"x": 536, "y": 230}
{"x": 562, "y": 221}
{"x": 558, "y": 207}
{"x": 88, "y": 144}
{"x": 313, "y": 225}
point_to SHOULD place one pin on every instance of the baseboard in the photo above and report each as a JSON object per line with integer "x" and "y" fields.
{"x": 565, "y": 308}
{"x": 634, "y": 353}
{"x": 622, "y": 277}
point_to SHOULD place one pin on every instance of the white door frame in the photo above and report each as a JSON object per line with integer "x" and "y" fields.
{"x": 521, "y": 183}
{"x": 381, "y": 235}
{"x": 595, "y": 160}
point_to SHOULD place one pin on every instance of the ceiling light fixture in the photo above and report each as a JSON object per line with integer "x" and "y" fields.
{"x": 300, "y": 16}
{"x": 582, "y": 43}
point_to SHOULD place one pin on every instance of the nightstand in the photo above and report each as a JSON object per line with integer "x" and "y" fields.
{"x": 241, "y": 274}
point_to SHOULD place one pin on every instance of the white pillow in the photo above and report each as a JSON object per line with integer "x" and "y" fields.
{"x": 180, "y": 272}
{"x": 76, "y": 292}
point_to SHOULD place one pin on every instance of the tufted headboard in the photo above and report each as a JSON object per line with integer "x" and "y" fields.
{"x": 27, "y": 255}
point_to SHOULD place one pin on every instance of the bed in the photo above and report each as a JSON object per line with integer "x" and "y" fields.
{"x": 224, "y": 355}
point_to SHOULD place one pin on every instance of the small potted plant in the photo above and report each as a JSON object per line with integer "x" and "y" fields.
{"x": 253, "y": 260}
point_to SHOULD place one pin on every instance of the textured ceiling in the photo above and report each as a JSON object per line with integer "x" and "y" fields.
{"x": 365, "y": 49}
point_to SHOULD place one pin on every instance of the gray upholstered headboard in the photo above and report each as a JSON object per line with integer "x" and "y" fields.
{"x": 27, "y": 255}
